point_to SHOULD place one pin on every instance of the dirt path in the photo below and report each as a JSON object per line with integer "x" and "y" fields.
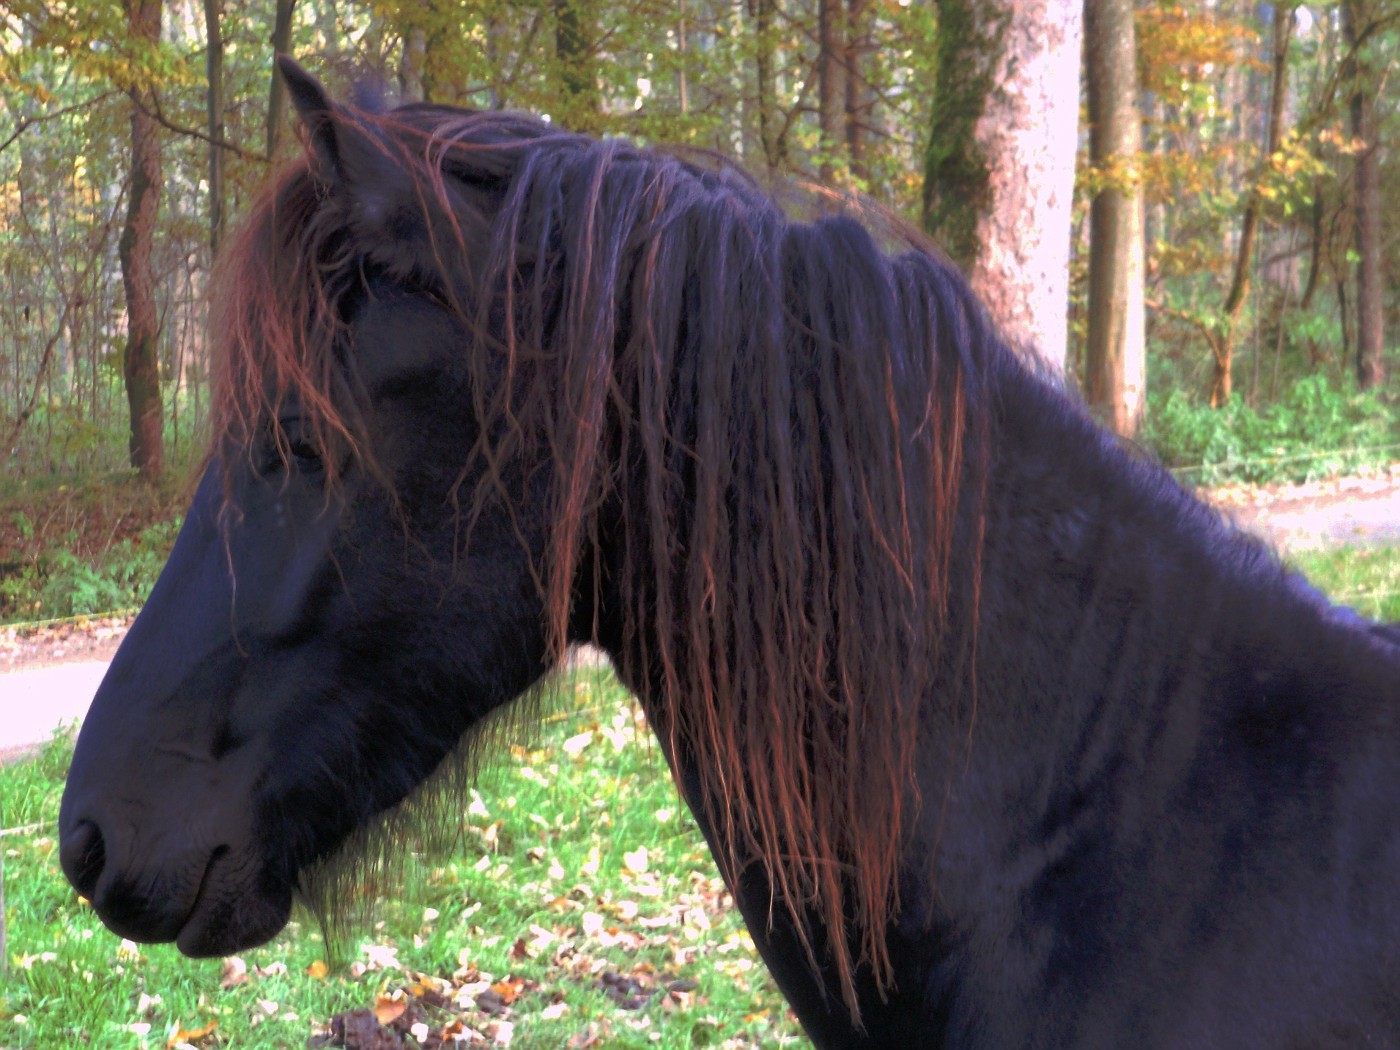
{"x": 1334, "y": 513}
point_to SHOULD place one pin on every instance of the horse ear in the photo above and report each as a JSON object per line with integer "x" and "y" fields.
{"x": 349, "y": 155}
{"x": 318, "y": 113}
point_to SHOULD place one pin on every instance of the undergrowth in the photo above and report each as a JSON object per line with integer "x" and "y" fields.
{"x": 1317, "y": 429}
{"x": 86, "y": 545}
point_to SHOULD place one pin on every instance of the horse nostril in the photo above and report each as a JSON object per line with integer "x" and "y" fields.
{"x": 83, "y": 855}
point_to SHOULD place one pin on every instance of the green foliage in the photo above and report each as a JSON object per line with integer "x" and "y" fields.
{"x": 79, "y": 553}
{"x": 1315, "y": 430}
{"x": 119, "y": 579}
{"x": 1365, "y": 578}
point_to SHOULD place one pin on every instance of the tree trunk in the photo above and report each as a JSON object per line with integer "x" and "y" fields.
{"x": 141, "y": 363}
{"x": 859, "y": 98}
{"x": 999, "y": 171}
{"x": 765, "y": 72}
{"x": 831, "y": 81}
{"x": 1319, "y": 214}
{"x": 577, "y": 76}
{"x": 1116, "y": 360}
{"x": 277, "y": 93}
{"x": 413, "y": 63}
{"x": 1370, "y": 321}
{"x": 214, "y": 70}
{"x": 1223, "y": 347}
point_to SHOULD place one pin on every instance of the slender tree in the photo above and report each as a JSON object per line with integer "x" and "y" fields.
{"x": 214, "y": 70}
{"x": 1115, "y": 365}
{"x": 277, "y": 93}
{"x": 831, "y": 80}
{"x": 141, "y": 362}
{"x": 578, "y": 76}
{"x": 1367, "y": 206}
{"x": 860, "y": 100}
{"x": 1223, "y": 334}
{"x": 762, "y": 15}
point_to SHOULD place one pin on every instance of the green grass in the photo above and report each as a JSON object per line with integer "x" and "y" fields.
{"x": 550, "y": 898}
{"x": 1366, "y": 578}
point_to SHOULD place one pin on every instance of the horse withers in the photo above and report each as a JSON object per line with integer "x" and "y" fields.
{"x": 1000, "y": 738}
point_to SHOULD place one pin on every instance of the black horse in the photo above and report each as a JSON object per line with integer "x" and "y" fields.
{"x": 1000, "y": 738}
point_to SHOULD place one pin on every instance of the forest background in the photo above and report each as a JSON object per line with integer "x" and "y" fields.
{"x": 1195, "y": 202}
{"x": 1212, "y": 182}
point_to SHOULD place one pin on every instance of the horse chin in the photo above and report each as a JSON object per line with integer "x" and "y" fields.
{"x": 229, "y": 916}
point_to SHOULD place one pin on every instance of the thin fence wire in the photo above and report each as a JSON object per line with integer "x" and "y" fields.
{"x": 1292, "y": 457}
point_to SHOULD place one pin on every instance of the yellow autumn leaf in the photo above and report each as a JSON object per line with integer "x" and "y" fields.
{"x": 318, "y": 970}
{"x": 191, "y": 1036}
{"x": 389, "y": 1008}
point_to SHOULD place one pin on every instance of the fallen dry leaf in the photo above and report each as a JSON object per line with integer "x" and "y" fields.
{"x": 592, "y": 1036}
{"x": 191, "y": 1036}
{"x": 234, "y": 973}
{"x": 635, "y": 861}
{"x": 389, "y": 1008}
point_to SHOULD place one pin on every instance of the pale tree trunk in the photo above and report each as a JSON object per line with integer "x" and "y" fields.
{"x": 412, "y": 64}
{"x": 140, "y": 361}
{"x": 1029, "y": 131}
{"x": 1116, "y": 358}
{"x": 277, "y": 94}
{"x": 1366, "y": 186}
{"x": 999, "y": 172}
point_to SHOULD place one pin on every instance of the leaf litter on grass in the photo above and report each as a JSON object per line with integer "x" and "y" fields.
{"x": 594, "y": 956}
{"x": 595, "y": 917}
{"x": 590, "y": 912}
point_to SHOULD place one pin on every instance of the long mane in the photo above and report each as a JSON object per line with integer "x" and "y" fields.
{"x": 766, "y": 438}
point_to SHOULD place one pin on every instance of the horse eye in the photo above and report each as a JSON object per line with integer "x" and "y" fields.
{"x": 304, "y": 454}
{"x": 290, "y": 447}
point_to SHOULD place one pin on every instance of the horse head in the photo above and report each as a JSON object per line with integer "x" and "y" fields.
{"x": 344, "y": 601}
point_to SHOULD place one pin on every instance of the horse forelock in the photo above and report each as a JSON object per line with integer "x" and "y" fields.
{"x": 787, "y": 422}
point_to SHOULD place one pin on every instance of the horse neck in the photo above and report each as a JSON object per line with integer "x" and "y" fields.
{"x": 1133, "y": 647}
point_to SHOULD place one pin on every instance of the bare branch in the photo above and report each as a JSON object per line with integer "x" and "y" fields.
{"x": 28, "y": 122}
{"x": 158, "y": 115}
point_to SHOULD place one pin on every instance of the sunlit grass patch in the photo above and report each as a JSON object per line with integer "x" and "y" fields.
{"x": 580, "y": 905}
{"x": 1366, "y": 578}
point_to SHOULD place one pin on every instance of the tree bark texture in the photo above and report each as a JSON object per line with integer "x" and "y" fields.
{"x": 577, "y": 76}
{"x": 1366, "y": 207}
{"x": 860, "y": 99}
{"x": 277, "y": 93}
{"x": 214, "y": 70}
{"x": 412, "y": 64}
{"x": 1116, "y": 364}
{"x": 762, "y": 13}
{"x": 831, "y": 80}
{"x": 1223, "y": 341}
{"x": 957, "y": 179}
{"x": 1029, "y": 131}
{"x": 141, "y": 361}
